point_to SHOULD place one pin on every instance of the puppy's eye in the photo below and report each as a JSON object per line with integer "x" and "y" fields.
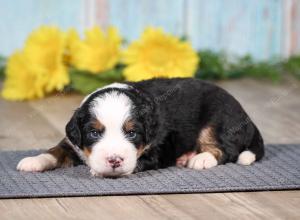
{"x": 94, "y": 134}
{"x": 131, "y": 135}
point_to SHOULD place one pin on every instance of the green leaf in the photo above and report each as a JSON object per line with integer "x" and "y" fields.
{"x": 216, "y": 66}
{"x": 86, "y": 82}
{"x": 247, "y": 67}
{"x": 265, "y": 70}
{"x": 292, "y": 66}
{"x": 2, "y": 67}
{"x": 183, "y": 38}
{"x": 212, "y": 65}
{"x": 2, "y": 73}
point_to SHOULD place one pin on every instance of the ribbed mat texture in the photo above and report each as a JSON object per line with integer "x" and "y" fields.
{"x": 279, "y": 170}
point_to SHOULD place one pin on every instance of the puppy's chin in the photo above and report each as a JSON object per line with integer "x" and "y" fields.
{"x": 110, "y": 173}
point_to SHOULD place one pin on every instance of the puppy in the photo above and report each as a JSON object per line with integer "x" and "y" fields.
{"x": 131, "y": 127}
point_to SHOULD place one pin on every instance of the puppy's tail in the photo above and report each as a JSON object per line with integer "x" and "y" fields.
{"x": 255, "y": 151}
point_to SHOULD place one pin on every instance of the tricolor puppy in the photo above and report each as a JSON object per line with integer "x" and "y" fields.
{"x": 132, "y": 127}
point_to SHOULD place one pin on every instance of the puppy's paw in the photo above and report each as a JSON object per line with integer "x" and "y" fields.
{"x": 203, "y": 160}
{"x": 38, "y": 163}
{"x": 95, "y": 174}
{"x": 183, "y": 159}
{"x": 246, "y": 158}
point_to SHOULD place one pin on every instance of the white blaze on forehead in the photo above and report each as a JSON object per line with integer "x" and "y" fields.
{"x": 112, "y": 109}
{"x": 113, "y": 85}
{"x": 117, "y": 85}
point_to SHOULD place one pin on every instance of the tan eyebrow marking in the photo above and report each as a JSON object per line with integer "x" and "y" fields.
{"x": 97, "y": 125}
{"x": 128, "y": 125}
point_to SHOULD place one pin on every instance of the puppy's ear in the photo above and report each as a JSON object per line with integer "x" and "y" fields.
{"x": 72, "y": 129}
{"x": 150, "y": 120}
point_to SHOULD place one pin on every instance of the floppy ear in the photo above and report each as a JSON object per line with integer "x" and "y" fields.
{"x": 151, "y": 127}
{"x": 73, "y": 131}
{"x": 150, "y": 118}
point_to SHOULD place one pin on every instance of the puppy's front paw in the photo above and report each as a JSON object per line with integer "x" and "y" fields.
{"x": 203, "y": 160}
{"x": 38, "y": 163}
{"x": 94, "y": 173}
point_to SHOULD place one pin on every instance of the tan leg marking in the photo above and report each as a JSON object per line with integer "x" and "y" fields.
{"x": 62, "y": 159}
{"x": 208, "y": 143}
{"x": 209, "y": 154}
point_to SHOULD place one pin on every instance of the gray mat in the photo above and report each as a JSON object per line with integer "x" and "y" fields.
{"x": 279, "y": 170}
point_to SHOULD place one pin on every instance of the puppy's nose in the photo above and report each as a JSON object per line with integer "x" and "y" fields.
{"x": 115, "y": 161}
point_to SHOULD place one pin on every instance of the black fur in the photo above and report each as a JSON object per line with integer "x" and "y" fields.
{"x": 183, "y": 108}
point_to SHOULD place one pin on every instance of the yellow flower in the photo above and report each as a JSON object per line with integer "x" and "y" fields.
{"x": 45, "y": 49}
{"x": 37, "y": 69}
{"x": 21, "y": 83}
{"x": 72, "y": 39}
{"x": 97, "y": 52}
{"x": 158, "y": 54}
